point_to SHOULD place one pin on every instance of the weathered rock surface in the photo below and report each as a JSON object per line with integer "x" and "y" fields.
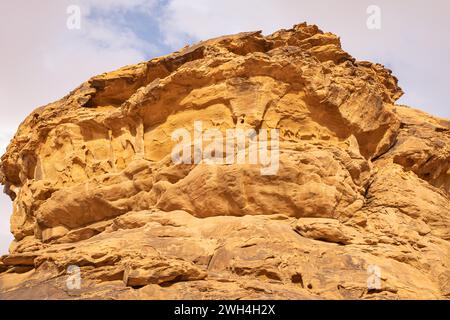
{"x": 363, "y": 184}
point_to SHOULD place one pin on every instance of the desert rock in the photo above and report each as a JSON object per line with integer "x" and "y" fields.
{"x": 363, "y": 184}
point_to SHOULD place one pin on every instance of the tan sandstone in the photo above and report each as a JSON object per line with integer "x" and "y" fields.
{"x": 362, "y": 182}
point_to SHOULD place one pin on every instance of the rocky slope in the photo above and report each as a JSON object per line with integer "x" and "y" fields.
{"x": 358, "y": 209}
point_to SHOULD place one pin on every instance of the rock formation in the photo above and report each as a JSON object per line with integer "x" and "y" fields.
{"x": 359, "y": 207}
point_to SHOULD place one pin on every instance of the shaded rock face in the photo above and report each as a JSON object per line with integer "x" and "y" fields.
{"x": 358, "y": 209}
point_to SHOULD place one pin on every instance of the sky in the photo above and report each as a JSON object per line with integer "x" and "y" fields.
{"x": 42, "y": 57}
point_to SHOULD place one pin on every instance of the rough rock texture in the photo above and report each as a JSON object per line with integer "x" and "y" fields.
{"x": 362, "y": 182}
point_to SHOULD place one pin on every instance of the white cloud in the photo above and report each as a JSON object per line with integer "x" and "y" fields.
{"x": 107, "y": 6}
{"x": 42, "y": 60}
{"x": 203, "y": 19}
{"x": 102, "y": 33}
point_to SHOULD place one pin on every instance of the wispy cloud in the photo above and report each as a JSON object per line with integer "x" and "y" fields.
{"x": 42, "y": 59}
{"x": 108, "y": 6}
{"x": 107, "y": 24}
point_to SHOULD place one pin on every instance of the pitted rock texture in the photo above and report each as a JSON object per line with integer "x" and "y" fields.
{"x": 363, "y": 184}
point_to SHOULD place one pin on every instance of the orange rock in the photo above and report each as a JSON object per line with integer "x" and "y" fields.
{"x": 358, "y": 208}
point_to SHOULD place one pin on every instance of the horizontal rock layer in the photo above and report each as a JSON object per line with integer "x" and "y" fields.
{"x": 362, "y": 184}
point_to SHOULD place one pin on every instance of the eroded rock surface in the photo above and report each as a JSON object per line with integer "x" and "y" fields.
{"x": 362, "y": 188}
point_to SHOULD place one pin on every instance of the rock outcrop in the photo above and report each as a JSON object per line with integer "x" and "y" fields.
{"x": 359, "y": 207}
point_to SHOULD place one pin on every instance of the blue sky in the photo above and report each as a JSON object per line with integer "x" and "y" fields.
{"x": 142, "y": 23}
{"x": 42, "y": 60}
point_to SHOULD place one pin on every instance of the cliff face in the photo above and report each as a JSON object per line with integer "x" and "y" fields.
{"x": 357, "y": 208}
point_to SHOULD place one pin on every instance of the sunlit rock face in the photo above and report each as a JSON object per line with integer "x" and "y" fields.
{"x": 358, "y": 207}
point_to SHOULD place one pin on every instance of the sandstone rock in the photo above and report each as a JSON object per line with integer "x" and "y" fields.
{"x": 358, "y": 207}
{"x": 328, "y": 230}
{"x": 142, "y": 273}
